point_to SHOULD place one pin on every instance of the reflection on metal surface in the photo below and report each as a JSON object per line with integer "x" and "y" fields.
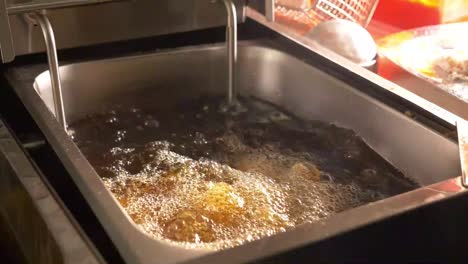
{"x": 449, "y": 186}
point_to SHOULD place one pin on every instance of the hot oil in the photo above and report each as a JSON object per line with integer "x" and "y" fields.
{"x": 202, "y": 178}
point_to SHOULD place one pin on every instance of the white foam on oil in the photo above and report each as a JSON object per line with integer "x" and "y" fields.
{"x": 205, "y": 204}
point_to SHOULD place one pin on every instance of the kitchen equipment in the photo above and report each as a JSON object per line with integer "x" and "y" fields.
{"x": 51, "y": 47}
{"x": 80, "y": 22}
{"x": 31, "y": 11}
{"x": 416, "y": 51}
{"x": 263, "y": 71}
{"x": 280, "y": 71}
{"x": 348, "y": 39}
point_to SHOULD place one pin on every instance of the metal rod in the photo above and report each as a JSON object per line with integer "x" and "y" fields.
{"x": 462, "y": 130}
{"x": 231, "y": 46}
{"x": 54, "y": 71}
{"x": 270, "y": 10}
{"x": 6, "y": 41}
{"x": 371, "y": 13}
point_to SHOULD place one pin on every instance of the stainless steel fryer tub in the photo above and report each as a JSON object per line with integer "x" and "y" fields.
{"x": 264, "y": 72}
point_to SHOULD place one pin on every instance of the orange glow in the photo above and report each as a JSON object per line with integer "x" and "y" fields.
{"x": 408, "y": 14}
{"x": 428, "y": 3}
{"x": 395, "y": 39}
{"x": 411, "y": 56}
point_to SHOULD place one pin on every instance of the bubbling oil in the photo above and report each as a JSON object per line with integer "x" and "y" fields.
{"x": 201, "y": 178}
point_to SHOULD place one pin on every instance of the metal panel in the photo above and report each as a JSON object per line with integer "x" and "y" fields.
{"x": 95, "y": 24}
{"x": 17, "y": 7}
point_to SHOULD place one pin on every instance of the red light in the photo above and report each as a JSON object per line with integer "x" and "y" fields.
{"x": 407, "y": 14}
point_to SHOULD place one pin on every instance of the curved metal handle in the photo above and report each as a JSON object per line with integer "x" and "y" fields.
{"x": 231, "y": 48}
{"x": 231, "y": 39}
{"x": 54, "y": 70}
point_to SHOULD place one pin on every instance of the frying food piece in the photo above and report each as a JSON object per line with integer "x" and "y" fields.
{"x": 221, "y": 208}
{"x": 190, "y": 226}
{"x": 260, "y": 163}
{"x": 305, "y": 170}
{"x": 218, "y": 181}
{"x": 222, "y": 203}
